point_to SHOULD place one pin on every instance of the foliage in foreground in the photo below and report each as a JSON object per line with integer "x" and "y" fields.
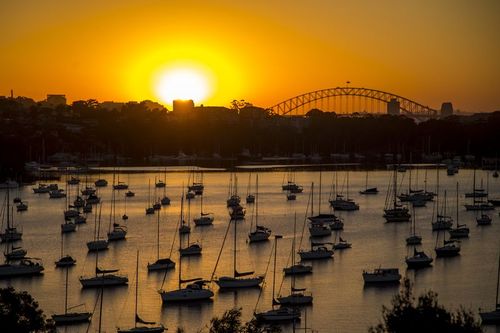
{"x": 230, "y": 322}
{"x": 423, "y": 315}
{"x": 20, "y": 313}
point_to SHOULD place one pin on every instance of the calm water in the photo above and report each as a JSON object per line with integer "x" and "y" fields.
{"x": 341, "y": 302}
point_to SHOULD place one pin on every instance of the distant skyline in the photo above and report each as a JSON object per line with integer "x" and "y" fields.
{"x": 260, "y": 51}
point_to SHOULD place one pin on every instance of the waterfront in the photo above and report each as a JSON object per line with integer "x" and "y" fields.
{"x": 341, "y": 302}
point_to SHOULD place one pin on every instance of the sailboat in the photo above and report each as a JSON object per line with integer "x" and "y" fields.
{"x": 184, "y": 227}
{"x": 443, "y": 221}
{"x": 197, "y": 186}
{"x": 297, "y": 267}
{"x": 65, "y": 260}
{"x": 22, "y": 265}
{"x": 341, "y": 203}
{"x": 319, "y": 224}
{"x": 450, "y": 247}
{"x": 97, "y": 244}
{"x": 192, "y": 249}
{"x": 283, "y": 313}
{"x": 150, "y": 209}
{"x": 151, "y": 327}
{"x": 342, "y": 243}
{"x": 413, "y": 238}
{"x": 396, "y": 213}
{"x": 103, "y": 277}
{"x": 291, "y": 185}
{"x": 461, "y": 231}
{"x": 418, "y": 260}
{"x": 204, "y": 218}
{"x": 297, "y": 295}
{"x": 119, "y": 185}
{"x": 477, "y": 195}
{"x": 261, "y": 233}
{"x": 493, "y": 317}
{"x": 11, "y": 233}
{"x": 161, "y": 263}
{"x": 165, "y": 200}
{"x": 116, "y": 231}
{"x": 195, "y": 290}
{"x": 239, "y": 279}
{"x": 234, "y": 199}
{"x": 250, "y": 196}
{"x": 368, "y": 190}
{"x": 68, "y": 318}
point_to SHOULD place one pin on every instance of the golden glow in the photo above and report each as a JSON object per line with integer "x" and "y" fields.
{"x": 259, "y": 51}
{"x": 182, "y": 83}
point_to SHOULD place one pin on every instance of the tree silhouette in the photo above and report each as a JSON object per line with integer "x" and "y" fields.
{"x": 423, "y": 315}
{"x": 20, "y": 313}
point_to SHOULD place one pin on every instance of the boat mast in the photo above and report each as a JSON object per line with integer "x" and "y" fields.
{"x": 66, "y": 293}
{"x": 457, "y": 206}
{"x": 158, "y": 237}
{"x": 395, "y": 178}
{"x": 234, "y": 250}
{"x": 319, "y": 201}
{"x": 274, "y": 265}
{"x": 136, "y": 286}
{"x": 497, "y": 305}
{"x": 312, "y": 199}
{"x": 347, "y": 185}
{"x": 256, "y": 201}
{"x": 437, "y": 192}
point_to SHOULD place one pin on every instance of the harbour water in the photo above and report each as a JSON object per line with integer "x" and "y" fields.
{"x": 341, "y": 301}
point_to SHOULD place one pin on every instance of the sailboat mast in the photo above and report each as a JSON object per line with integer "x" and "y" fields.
{"x": 8, "y": 208}
{"x": 457, "y": 204}
{"x": 66, "y": 293}
{"x": 347, "y": 185}
{"x": 256, "y": 201}
{"x": 274, "y": 264}
{"x": 312, "y": 199}
{"x": 234, "y": 249}
{"x": 136, "y": 287}
{"x": 319, "y": 202}
{"x": 100, "y": 309}
{"x": 498, "y": 282}
{"x": 158, "y": 237}
{"x": 395, "y": 178}
{"x": 437, "y": 190}
{"x": 366, "y": 180}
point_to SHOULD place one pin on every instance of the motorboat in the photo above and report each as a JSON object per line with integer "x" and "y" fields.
{"x": 317, "y": 251}
{"x": 101, "y": 182}
{"x": 24, "y": 267}
{"x": 382, "y": 275}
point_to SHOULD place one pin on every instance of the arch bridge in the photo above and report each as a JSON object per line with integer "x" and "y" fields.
{"x": 375, "y": 101}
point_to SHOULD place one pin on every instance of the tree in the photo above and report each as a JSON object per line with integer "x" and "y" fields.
{"x": 230, "y": 322}
{"x": 20, "y": 313}
{"x": 424, "y": 315}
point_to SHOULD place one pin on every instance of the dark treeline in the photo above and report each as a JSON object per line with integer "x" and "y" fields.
{"x": 136, "y": 131}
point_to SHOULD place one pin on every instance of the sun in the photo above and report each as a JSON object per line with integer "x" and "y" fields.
{"x": 182, "y": 83}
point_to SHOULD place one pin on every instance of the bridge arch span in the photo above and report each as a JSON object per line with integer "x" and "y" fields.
{"x": 406, "y": 106}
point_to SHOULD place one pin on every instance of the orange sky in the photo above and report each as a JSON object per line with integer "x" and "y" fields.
{"x": 261, "y": 51}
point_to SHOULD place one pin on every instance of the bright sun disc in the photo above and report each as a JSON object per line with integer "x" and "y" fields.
{"x": 182, "y": 83}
